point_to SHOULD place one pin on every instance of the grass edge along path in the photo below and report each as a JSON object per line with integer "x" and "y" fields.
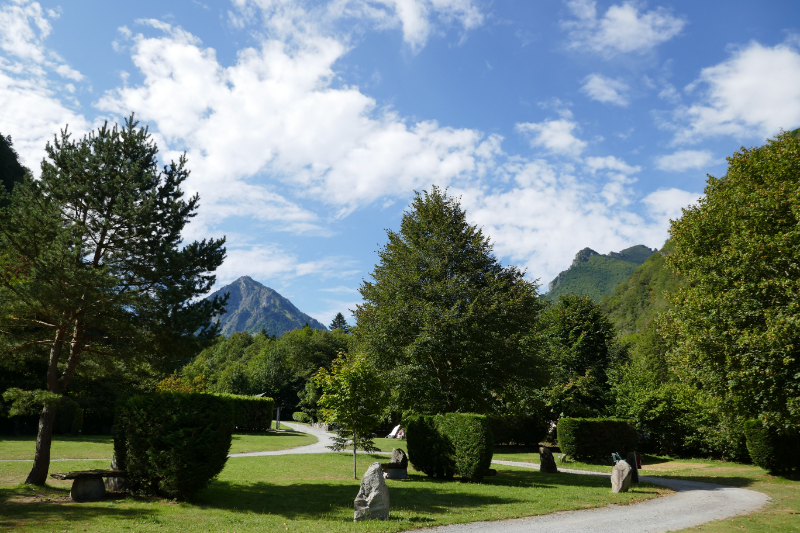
{"x": 311, "y": 493}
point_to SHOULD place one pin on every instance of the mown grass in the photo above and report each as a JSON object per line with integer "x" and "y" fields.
{"x": 311, "y": 493}
{"x": 102, "y": 446}
{"x": 387, "y": 445}
{"x": 782, "y": 514}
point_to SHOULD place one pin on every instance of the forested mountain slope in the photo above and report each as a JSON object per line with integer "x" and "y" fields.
{"x": 253, "y": 307}
{"x": 596, "y": 275}
{"x": 640, "y": 297}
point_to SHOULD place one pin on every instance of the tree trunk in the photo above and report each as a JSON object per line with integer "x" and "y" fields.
{"x": 354, "y": 458}
{"x": 41, "y": 461}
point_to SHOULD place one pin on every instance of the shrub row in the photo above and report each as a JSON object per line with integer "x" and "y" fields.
{"x": 518, "y": 429}
{"x": 172, "y": 444}
{"x": 250, "y": 413}
{"x": 777, "y": 454}
{"x": 450, "y": 444}
{"x": 596, "y": 437}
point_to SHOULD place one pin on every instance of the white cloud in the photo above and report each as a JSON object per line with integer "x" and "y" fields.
{"x": 605, "y": 90}
{"x": 667, "y": 204}
{"x": 554, "y": 135}
{"x": 683, "y": 160}
{"x": 622, "y": 29}
{"x": 611, "y": 163}
{"x": 34, "y": 107}
{"x": 754, "y": 93}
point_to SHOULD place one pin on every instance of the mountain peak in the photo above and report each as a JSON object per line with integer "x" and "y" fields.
{"x": 253, "y": 307}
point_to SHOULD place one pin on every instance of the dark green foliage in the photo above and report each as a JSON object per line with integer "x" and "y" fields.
{"x": 254, "y": 308}
{"x": 77, "y": 422}
{"x": 11, "y": 171}
{"x": 339, "y": 323}
{"x": 173, "y": 444}
{"x": 450, "y": 444}
{"x": 518, "y": 429}
{"x": 596, "y": 437}
{"x": 775, "y": 453}
{"x": 448, "y": 324}
{"x": 734, "y": 328}
{"x": 638, "y": 299}
{"x": 250, "y": 413}
{"x": 300, "y": 416}
{"x": 65, "y": 418}
{"x": 595, "y": 275}
{"x": 429, "y": 451}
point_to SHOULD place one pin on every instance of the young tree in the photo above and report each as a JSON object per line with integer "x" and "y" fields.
{"x": 339, "y": 323}
{"x": 735, "y": 328}
{"x": 94, "y": 269}
{"x": 353, "y": 398}
{"x": 448, "y": 324}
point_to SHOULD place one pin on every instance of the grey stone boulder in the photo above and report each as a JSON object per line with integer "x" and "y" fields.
{"x": 398, "y": 467}
{"x": 400, "y": 458}
{"x": 547, "y": 463}
{"x": 116, "y": 484}
{"x": 88, "y": 489}
{"x": 621, "y": 477}
{"x": 372, "y": 501}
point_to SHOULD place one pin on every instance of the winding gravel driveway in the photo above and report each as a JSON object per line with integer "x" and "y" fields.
{"x": 694, "y": 503}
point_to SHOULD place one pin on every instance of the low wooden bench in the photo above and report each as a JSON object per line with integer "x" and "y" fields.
{"x": 87, "y": 485}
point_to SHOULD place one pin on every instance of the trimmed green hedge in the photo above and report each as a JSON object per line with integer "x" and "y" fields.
{"x": 172, "y": 444}
{"x": 450, "y": 444}
{"x": 250, "y": 413}
{"x": 520, "y": 430}
{"x": 596, "y": 437}
{"x": 777, "y": 454}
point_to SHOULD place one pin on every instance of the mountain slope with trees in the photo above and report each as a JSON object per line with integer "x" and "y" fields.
{"x": 253, "y": 307}
{"x": 596, "y": 275}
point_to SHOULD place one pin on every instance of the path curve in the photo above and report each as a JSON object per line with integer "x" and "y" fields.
{"x": 324, "y": 439}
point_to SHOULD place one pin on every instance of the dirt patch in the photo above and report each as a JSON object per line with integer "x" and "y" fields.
{"x": 37, "y": 498}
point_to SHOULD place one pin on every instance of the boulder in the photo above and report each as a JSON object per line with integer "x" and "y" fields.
{"x": 88, "y": 489}
{"x": 372, "y": 501}
{"x": 546, "y": 461}
{"x": 621, "y": 477}
{"x": 400, "y": 458}
{"x": 631, "y": 460}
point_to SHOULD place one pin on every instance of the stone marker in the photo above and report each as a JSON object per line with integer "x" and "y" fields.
{"x": 372, "y": 501}
{"x": 88, "y": 489}
{"x": 546, "y": 461}
{"x": 118, "y": 484}
{"x": 631, "y": 460}
{"x": 621, "y": 477}
{"x": 398, "y": 467}
{"x": 399, "y": 457}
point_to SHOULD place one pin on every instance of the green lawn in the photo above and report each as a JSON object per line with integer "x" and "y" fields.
{"x": 387, "y": 445}
{"x": 526, "y": 455}
{"x": 302, "y": 493}
{"x": 102, "y": 446}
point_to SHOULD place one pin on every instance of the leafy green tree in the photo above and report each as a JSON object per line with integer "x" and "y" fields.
{"x": 735, "y": 328}
{"x": 11, "y": 170}
{"x": 104, "y": 273}
{"x": 580, "y": 349}
{"x": 353, "y": 398}
{"x": 448, "y": 324}
{"x": 339, "y": 323}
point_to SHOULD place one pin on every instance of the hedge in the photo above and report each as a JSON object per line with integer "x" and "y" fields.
{"x": 596, "y": 437}
{"x": 172, "y": 444}
{"x": 777, "y": 454}
{"x": 450, "y": 444}
{"x": 250, "y": 413}
{"x": 518, "y": 429}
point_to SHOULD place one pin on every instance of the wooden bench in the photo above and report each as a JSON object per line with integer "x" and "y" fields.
{"x": 87, "y": 485}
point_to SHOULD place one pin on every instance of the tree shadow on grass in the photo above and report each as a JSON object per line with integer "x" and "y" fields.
{"x": 94, "y": 439}
{"x": 25, "y": 506}
{"x": 730, "y": 481}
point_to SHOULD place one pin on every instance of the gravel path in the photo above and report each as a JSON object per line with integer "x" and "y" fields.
{"x": 324, "y": 439}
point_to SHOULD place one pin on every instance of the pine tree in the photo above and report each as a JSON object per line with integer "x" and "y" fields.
{"x": 93, "y": 266}
{"x": 339, "y": 323}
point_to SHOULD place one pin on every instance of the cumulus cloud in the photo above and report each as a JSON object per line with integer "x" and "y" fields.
{"x": 555, "y": 136}
{"x": 606, "y": 90}
{"x": 622, "y": 29}
{"x": 683, "y": 160}
{"x": 755, "y": 92}
{"x": 34, "y": 106}
{"x": 667, "y": 204}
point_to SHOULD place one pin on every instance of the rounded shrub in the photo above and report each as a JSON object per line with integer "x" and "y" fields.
{"x": 596, "y": 437}
{"x": 777, "y": 454}
{"x": 172, "y": 444}
{"x": 428, "y": 450}
{"x": 300, "y": 416}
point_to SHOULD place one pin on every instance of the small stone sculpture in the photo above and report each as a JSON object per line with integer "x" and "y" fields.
{"x": 621, "y": 477}
{"x": 546, "y": 461}
{"x": 372, "y": 501}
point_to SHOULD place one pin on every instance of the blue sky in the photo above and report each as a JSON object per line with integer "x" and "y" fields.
{"x": 308, "y": 125}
